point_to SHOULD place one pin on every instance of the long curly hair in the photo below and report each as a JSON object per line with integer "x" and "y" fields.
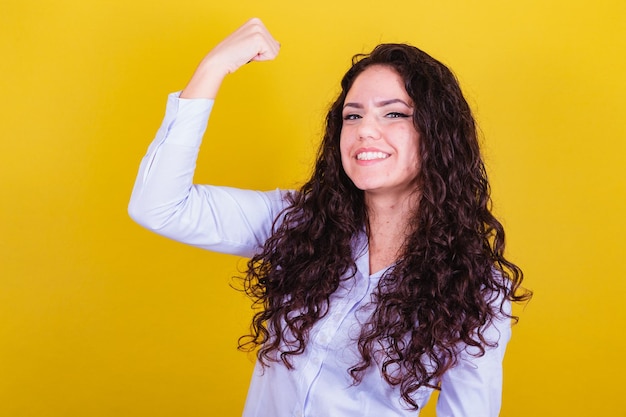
{"x": 451, "y": 279}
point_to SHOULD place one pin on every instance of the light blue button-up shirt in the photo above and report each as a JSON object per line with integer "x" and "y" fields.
{"x": 238, "y": 222}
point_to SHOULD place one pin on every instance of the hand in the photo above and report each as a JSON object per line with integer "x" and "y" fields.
{"x": 251, "y": 42}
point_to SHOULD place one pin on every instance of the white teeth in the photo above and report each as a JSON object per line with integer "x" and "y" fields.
{"x": 368, "y": 156}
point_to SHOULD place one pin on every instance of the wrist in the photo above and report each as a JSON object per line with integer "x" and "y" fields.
{"x": 205, "y": 81}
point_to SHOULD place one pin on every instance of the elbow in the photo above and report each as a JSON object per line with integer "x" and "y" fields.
{"x": 136, "y": 213}
{"x": 141, "y": 215}
{"x": 160, "y": 219}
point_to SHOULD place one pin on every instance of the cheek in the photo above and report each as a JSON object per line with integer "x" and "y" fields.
{"x": 413, "y": 152}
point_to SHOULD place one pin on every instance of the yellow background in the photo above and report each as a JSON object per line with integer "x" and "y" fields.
{"x": 99, "y": 317}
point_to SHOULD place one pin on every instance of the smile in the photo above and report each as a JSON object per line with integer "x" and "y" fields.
{"x": 370, "y": 156}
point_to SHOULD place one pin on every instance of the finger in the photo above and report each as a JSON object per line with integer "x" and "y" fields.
{"x": 266, "y": 55}
{"x": 267, "y": 47}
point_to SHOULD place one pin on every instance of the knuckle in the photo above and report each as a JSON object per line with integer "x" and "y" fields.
{"x": 256, "y": 23}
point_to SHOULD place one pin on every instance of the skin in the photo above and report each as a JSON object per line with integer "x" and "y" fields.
{"x": 379, "y": 152}
{"x": 251, "y": 42}
{"x": 378, "y": 119}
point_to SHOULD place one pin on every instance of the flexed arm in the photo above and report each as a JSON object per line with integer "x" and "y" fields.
{"x": 251, "y": 42}
{"x": 164, "y": 198}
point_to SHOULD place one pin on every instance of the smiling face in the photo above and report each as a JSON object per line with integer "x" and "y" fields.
{"x": 379, "y": 143}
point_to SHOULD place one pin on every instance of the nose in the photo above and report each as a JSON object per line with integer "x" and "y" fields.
{"x": 368, "y": 128}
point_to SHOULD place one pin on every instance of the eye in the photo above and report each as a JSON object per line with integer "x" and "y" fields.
{"x": 397, "y": 115}
{"x": 351, "y": 116}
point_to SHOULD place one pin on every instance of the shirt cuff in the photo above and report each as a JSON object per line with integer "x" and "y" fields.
{"x": 186, "y": 119}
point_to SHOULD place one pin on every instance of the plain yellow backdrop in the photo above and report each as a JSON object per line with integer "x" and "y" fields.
{"x": 99, "y": 317}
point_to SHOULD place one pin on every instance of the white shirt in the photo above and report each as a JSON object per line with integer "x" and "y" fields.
{"x": 238, "y": 222}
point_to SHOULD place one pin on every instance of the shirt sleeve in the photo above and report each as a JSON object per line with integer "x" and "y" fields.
{"x": 165, "y": 200}
{"x": 474, "y": 386}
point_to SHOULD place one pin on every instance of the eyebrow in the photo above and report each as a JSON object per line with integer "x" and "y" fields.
{"x": 378, "y": 103}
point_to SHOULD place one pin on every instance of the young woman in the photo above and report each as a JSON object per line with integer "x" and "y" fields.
{"x": 383, "y": 277}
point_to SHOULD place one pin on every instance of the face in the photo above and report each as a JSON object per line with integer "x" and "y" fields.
{"x": 379, "y": 143}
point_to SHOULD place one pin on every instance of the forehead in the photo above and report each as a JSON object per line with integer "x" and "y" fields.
{"x": 381, "y": 81}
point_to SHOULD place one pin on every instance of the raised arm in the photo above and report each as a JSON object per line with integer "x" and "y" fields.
{"x": 164, "y": 198}
{"x": 251, "y": 42}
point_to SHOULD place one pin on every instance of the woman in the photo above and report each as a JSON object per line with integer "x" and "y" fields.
{"x": 383, "y": 277}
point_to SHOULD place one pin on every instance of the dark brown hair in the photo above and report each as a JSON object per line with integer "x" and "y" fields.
{"x": 452, "y": 279}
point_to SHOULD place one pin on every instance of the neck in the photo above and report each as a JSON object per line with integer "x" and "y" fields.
{"x": 389, "y": 225}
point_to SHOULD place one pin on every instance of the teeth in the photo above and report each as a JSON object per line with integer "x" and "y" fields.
{"x": 368, "y": 156}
